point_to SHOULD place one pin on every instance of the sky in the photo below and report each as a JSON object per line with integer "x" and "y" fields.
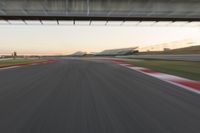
{"x": 61, "y": 40}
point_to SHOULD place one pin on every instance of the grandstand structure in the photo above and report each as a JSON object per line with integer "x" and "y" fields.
{"x": 118, "y": 52}
{"x": 79, "y": 53}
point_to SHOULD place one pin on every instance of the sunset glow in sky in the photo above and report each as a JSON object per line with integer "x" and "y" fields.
{"x": 44, "y": 40}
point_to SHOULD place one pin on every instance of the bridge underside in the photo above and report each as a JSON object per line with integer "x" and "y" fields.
{"x": 139, "y": 10}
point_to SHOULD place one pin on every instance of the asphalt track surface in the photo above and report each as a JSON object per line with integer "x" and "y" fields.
{"x": 84, "y": 96}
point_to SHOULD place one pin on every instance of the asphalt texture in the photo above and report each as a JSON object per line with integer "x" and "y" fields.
{"x": 86, "y": 96}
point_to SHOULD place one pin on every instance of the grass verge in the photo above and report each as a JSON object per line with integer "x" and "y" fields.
{"x": 187, "y": 69}
{"x": 11, "y": 62}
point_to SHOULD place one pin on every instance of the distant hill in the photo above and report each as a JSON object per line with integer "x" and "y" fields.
{"x": 186, "y": 50}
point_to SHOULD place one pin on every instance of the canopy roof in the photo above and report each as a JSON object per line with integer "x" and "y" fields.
{"x": 123, "y": 51}
{"x": 144, "y": 10}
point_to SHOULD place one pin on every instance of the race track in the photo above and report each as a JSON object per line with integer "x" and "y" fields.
{"x": 93, "y": 96}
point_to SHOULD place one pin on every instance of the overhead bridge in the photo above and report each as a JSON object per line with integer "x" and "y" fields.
{"x": 123, "y": 10}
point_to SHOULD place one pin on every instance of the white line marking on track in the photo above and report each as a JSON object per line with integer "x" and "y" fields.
{"x": 4, "y": 68}
{"x": 165, "y": 77}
